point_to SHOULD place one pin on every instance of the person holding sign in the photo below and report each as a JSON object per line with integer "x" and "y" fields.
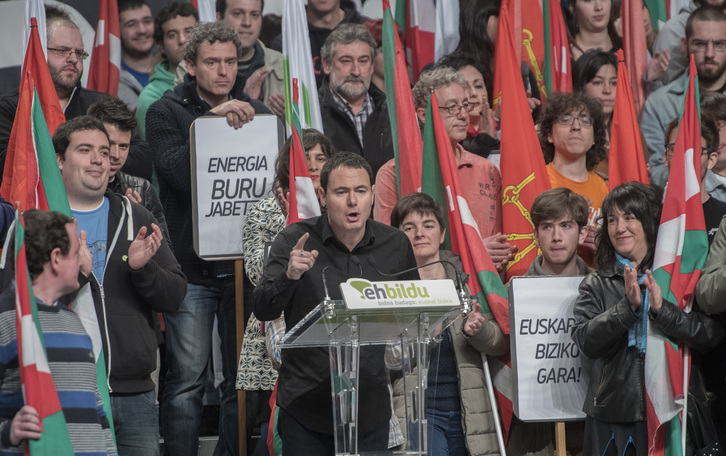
{"x": 458, "y": 411}
{"x": 353, "y": 245}
{"x": 611, "y": 321}
{"x": 560, "y": 217}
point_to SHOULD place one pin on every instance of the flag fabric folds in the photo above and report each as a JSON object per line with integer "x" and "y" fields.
{"x": 296, "y": 48}
{"x": 441, "y": 181}
{"x": 524, "y": 175}
{"x": 31, "y": 176}
{"x": 557, "y": 71}
{"x": 302, "y": 203}
{"x": 420, "y": 34}
{"x": 407, "y": 144}
{"x": 626, "y": 161}
{"x": 636, "y": 50}
{"x": 105, "y": 68}
{"x": 38, "y": 387}
{"x": 447, "y": 28}
{"x": 682, "y": 229}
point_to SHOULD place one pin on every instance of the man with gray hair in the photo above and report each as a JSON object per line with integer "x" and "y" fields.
{"x": 354, "y": 111}
{"x": 481, "y": 180}
{"x": 212, "y": 87}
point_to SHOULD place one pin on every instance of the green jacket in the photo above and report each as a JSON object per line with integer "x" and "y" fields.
{"x": 161, "y": 81}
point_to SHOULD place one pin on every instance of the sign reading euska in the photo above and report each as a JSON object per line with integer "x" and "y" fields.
{"x": 361, "y": 294}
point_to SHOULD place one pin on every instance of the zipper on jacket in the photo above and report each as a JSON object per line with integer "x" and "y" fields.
{"x": 108, "y": 340}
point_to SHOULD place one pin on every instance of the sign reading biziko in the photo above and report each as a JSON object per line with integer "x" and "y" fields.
{"x": 231, "y": 170}
{"x": 548, "y": 378}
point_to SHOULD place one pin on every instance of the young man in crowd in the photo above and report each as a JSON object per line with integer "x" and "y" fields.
{"x": 481, "y": 180}
{"x": 706, "y": 40}
{"x": 136, "y": 24}
{"x": 292, "y": 282}
{"x": 134, "y": 274}
{"x": 171, "y": 27}
{"x": 65, "y": 62}
{"x": 560, "y": 224}
{"x": 212, "y": 87}
{"x": 54, "y": 258}
{"x": 572, "y": 135}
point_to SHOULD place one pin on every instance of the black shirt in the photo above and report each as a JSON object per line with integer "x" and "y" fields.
{"x": 713, "y": 211}
{"x": 304, "y": 381}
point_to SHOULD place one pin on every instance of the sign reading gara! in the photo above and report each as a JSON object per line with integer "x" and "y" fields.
{"x": 362, "y": 294}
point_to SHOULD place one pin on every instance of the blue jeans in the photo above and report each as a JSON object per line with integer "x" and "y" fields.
{"x": 136, "y": 421}
{"x": 445, "y": 434}
{"x": 188, "y": 351}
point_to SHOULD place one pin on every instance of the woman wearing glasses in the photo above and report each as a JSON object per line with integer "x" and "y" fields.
{"x": 573, "y": 138}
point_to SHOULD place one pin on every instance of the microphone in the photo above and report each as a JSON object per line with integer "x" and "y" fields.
{"x": 327, "y": 302}
{"x": 464, "y": 298}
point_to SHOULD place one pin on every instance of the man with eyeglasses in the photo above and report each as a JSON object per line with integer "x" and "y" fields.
{"x": 706, "y": 40}
{"x": 212, "y": 87}
{"x": 481, "y": 180}
{"x": 65, "y": 62}
{"x": 354, "y": 111}
{"x": 713, "y": 106}
{"x": 572, "y": 135}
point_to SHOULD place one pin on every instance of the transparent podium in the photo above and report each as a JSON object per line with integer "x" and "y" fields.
{"x": 405, "y": 326}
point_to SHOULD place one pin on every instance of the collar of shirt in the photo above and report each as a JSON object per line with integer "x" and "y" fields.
{"x": 328, "y": 236}
{"x": 466, "y": 159}
{"x": 343, "y": 104}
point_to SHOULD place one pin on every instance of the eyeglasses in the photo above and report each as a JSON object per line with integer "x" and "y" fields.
{"x": 66, "y": 52}
{"x": 454, "y": 110}
{"x": 702, "y": 45}
{"x": 670, "y": 148}
{"x": 566, "y": 119}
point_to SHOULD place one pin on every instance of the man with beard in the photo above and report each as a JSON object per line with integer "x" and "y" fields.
{"x": 136, "y": 24}
{"x": 65, "y": 62}
{"x": 354, "y": 112}
{"x": 706, "y": 40}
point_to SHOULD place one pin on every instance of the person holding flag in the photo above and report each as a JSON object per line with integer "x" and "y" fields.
{"x": 52, "y": 257}
{"x": 456, "y": 375}
{"x": 612, "y": 314}
{"x": 481, "y": 179}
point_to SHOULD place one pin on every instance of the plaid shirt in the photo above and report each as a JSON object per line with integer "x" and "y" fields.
{"x": 360, "y": 119}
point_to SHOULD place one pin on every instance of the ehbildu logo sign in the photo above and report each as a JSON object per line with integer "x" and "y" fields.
{"x": 363, "y": 294}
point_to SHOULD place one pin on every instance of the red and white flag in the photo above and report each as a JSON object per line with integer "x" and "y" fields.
{"x": 105, "y": 68}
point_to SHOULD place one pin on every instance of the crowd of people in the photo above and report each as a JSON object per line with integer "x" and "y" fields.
{"x": 128, "y": 249}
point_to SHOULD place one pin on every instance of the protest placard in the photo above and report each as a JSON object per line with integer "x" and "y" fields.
{"x": 549, "y": 380}
{"x": 231, "y": 170}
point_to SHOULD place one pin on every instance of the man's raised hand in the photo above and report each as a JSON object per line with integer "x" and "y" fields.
{"x": 300, "y": 260}
{"x": 144, "y": 248}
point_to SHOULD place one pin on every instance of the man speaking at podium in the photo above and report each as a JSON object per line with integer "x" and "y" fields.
{"x": 346, "y": 239}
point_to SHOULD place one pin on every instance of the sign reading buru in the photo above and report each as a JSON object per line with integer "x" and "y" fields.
{"x": 231, "y": 170}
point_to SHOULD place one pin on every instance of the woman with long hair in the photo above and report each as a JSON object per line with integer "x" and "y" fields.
{"x": 616, "y": 304}
{"x": 590, "y": 27}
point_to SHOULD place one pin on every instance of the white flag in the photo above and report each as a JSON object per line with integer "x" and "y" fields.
{"x": 447, "y": 28}
{"x": 296, "y": 46}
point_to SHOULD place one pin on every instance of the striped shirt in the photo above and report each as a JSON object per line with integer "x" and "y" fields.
{"x": 73, "y": 367}
{"x": 360, "y": 119}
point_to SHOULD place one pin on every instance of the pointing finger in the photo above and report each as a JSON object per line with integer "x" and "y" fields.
{"x": 301, "y": 242}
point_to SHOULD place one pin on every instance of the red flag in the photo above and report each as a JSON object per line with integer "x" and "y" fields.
{"x": 302, "y": 202}
{"x": 465, "y": 239}
{"x": 636, "y": 50}
{"x": 30, "y": 164}
{"x": 105, "y": 68}
{"x": 420, "y": 34}
{"x": 627, "y": 162}
{"x": 524, "y": 175}
{"x": 557, "y": 71}
{"x": 407, "y": 144}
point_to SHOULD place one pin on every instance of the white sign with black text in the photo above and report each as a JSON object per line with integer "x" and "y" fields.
{"x": 231, "y": 170}
{"x": 548, "y": 378}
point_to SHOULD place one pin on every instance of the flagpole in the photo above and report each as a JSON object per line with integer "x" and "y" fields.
{"x": 686, "y": 364}
{"x": 495, "y": 409}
